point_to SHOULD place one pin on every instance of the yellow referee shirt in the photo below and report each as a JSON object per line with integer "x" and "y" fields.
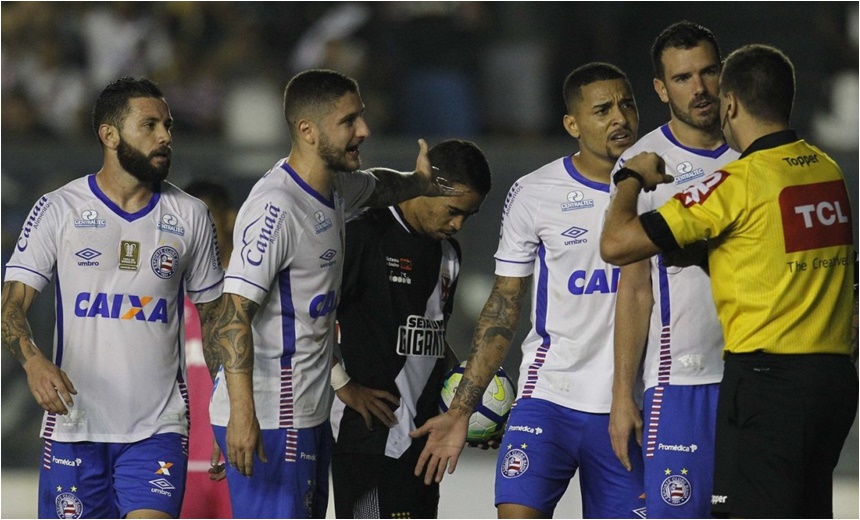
{"x": 781, "y": 253}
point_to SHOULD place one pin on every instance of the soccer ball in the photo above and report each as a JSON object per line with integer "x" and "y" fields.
{"x": 491, "y": 414}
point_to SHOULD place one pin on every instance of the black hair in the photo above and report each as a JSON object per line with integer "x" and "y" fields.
{"x": 680, "y": 35}
{"x": 112, "y": 104}
{"x": 462, "y": 162}
{"x": 586, "y": 75}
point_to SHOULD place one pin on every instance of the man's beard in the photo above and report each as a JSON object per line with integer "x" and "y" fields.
{"x": 335, "y": 159}
{"x": 711, "y": 124}
{"x": 140, "y": 166}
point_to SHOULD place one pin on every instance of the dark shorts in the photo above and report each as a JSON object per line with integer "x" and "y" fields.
{"x": 781, "y": 424}
{"x": 111, "y": 479}
{"x": 376, "y": 486}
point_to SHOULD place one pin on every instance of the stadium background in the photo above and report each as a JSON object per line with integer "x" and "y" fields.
{"x": 485, "y": 71}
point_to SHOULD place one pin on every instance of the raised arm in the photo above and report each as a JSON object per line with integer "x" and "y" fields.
{"x": 393, "y": 187}
{"x": 633, "y": 306}
{"x": 494, "y": 332}
{"x": 623, "y": 239}
{"x": 49, "y": 385}
{"x": 232, "y": 333}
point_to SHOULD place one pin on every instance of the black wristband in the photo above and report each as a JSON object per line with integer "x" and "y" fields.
{"x": 623, "y": 173}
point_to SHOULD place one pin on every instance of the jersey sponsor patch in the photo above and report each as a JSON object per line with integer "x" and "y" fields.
{"x": 129, "y": 255}
{"x": 815, "y": 216}
{"x": 421, "y": 337}
{"x": 699, "y": 192}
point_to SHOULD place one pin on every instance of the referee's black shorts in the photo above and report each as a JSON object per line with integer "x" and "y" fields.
{"x": 781, "y": 424}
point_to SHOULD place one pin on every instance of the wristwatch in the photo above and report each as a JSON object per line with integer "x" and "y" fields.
{"x": 623, "y": 173}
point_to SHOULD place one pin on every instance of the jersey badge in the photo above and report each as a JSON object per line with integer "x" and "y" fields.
{"x": 515, "y": 463}
{"x": 675, "y": 489}
{"x": 576, "y": 200}
{"x": 170, "y": 224}
{"x": 687, "y": 172}
{"x": 90, "y": 219}
{"x": 68, "y": 506}
{"x": 164, "y": 262}
{"x": 129, "y": 255}
{"x": 323, "y": 222}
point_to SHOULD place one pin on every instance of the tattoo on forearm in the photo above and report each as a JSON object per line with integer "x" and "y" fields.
{"x": 16, "y": 333}
{"x": 493, "y": 335}
{"x": 393, "y": 187}
{"x": 232, "y": 333}
{"x": 211, "y": 348}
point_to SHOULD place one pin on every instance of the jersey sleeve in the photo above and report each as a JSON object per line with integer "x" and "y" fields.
{"x": 356, "y": 187}
{"x": 35, "y": 254}
{"x": 518, "y": 240}
{"x": 261, "y": 246}
{"x": 706, "y": 209}
{"x": 204, "y": 276}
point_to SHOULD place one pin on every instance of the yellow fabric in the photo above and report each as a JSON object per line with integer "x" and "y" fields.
{"x": 781, "y": 254}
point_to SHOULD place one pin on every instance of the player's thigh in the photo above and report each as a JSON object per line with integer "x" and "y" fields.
{"x": 537, "y": 455}
{"x": 150, "y": 474}
{"x": 75, "y": 480}
{"x": 608, "y": 489}
{"x": 289, "y": 484}
{"x": 402, "y": 494}
{"x": 679, "y": 453}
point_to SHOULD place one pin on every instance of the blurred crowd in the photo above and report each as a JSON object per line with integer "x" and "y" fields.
{"x": 425, "y": 67}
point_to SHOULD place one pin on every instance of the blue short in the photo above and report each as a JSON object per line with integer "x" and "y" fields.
{"x": 110, "y": 479}
{"x": 293, "y": 484}
{"x": 678, "y": 443}
{"x": 544, "y": 445}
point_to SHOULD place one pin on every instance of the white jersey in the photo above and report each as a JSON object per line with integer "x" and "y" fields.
{"x": 288, "y": 258}
{"x": 121, "y": 279}
{"x": 685, "y": 340}
{"x": 551, "y": 226}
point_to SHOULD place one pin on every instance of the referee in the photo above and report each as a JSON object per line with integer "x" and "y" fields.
{"x": 782, "y": 273}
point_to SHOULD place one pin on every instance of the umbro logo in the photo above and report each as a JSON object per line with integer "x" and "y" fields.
{"x": 574, "y": 232}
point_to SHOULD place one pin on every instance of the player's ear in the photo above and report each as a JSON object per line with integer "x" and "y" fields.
{"x": 109, "y": 136}
{"x": 571, "y": 126}
{"x": 660, "y": 89}
{"x": 307, "y": 131}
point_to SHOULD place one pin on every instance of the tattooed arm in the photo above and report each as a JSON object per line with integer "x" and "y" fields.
{"x": 492, "y": 340}
{"x": 393, "y": 186}
{"x": 232, "y": 333}
{"x": 208, "y": 312}
{"x": 49, "y": 385}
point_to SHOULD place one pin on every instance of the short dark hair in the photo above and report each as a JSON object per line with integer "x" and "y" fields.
{"x": 762, "y": 78}
{"x": 462, "y": 162}
{"x": 112, "y": 104}
{"x": 216, "y": 194}
{"x": 586, "y": 75}
{"x": 309, "y": 91}
{"x": 680, "y": 35}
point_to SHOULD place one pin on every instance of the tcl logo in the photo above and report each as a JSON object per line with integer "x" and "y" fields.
{"x": 815, "y": 216}
{"x": 699, "y": 192}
